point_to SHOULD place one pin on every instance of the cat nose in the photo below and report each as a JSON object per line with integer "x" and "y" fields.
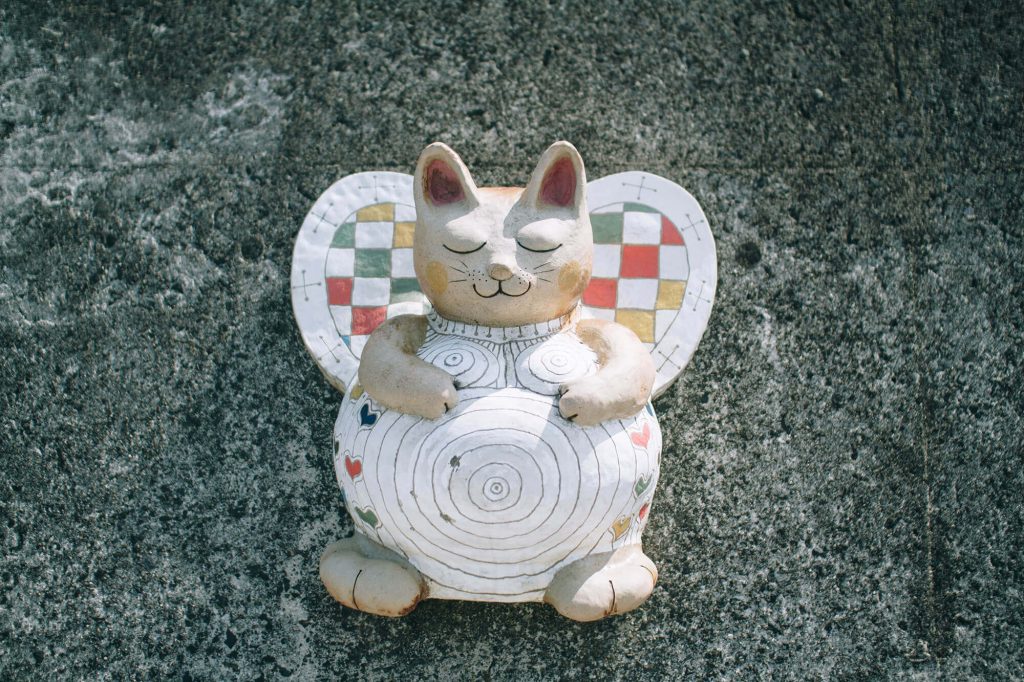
{"x": 500, "y": 271}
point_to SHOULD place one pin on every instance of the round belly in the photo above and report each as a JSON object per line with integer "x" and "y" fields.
{"x": 491, "y": 499}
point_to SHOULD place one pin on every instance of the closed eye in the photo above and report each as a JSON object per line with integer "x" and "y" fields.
{"x": 462, "y": 253}
{"x": 538, "y": 250}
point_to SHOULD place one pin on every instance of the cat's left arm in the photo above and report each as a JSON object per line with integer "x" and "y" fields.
{"x": 622, "y": 385}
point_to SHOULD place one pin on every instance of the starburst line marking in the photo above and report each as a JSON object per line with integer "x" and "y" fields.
{"x": 640, "y": 189}
{"x": 305, "y": 286}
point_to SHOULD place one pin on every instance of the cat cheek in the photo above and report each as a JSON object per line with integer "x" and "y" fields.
{"x": 571, "y": 278}
{"x": 437, "y": 278}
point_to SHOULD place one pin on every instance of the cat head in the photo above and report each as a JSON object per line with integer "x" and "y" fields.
{"x": 502, "y": 256}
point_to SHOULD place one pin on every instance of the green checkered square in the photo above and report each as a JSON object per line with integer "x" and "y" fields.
{"x": 344, "y": 236}
{"x": 631, "y": 207}
{"x": 373, "y": 263}
{"x": 405, "y": 289}
{"x": 607, "y": 228}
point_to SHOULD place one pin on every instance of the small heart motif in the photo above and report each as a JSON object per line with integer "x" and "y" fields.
{"x": 642, "y": 437}
{"x": 367, "y": 417}
{"x": 620, "y": 527}
{"x": 354, "y": 467}
{"x": 368, "y": 516}
{"x": 641, "y": 485}
{"x": 642, "y": 514}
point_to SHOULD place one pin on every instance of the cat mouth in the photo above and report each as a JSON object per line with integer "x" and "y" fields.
{"x": 499, "y": 290}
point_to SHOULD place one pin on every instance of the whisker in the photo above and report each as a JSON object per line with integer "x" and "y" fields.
{"x": 458, "y": 269}
{"x": 453, "y": 281}
{"x": 544, "y": 279}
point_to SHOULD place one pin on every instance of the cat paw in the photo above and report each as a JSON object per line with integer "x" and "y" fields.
{"x": 437, "y": 394}
{"x": 591, "y": 400}
{"x": 371, "y": 584}
{"x": 605, "y": 585}
{"x": 428, "y": 392}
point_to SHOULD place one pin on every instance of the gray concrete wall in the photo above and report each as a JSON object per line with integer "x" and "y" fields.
{"x": 841, "y": 494}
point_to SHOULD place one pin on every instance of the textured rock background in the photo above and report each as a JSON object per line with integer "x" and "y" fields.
{"x": 842, "y": 488}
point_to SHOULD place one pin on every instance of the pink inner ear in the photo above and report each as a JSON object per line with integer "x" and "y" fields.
{"x": 559, "y": 184}
{"x": 443, "y": 186}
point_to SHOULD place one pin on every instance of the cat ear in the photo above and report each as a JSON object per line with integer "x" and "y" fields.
{"x": 442, "y": 179}
{"x": 559, "y": 181}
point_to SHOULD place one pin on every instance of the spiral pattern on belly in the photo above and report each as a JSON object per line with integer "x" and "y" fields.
{"x": 545, "y": 367}
{"x": 470, "y": 364}
{"x": 491, "y": 499}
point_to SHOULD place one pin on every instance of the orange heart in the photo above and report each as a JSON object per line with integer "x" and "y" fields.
{"x": 641, "y": 438}
{"x": 620, "y": 526}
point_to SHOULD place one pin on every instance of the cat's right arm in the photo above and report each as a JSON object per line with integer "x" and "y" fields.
{"x": 393, "y": 376}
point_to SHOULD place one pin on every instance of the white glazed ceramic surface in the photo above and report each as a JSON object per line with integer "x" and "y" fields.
{"x": 490, "y": 500}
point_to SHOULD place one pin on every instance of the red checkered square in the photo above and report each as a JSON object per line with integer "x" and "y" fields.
{"x": 339, "y": 291}
{"x": 669, "y": 232}
{"x": 365, "y": 320}
{"x": 601, "y": 293}
{"x": 639, "y": 261}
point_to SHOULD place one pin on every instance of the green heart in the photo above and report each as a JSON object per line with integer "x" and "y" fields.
{"x": 641, "y": 485}
{"x": 368, "y": 516}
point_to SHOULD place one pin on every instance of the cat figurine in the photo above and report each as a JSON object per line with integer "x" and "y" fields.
{"x": 498, "y": 448}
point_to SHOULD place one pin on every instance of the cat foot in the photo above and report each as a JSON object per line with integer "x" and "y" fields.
{"x": 603, "y": 585}
{"x": 364, "y": 576}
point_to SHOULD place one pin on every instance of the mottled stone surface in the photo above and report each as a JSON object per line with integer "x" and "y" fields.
{"x": 843, "y": 474}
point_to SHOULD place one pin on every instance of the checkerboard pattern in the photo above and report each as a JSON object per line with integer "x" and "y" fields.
{"x": 639, "y": 277}
{"x": 640, "y": 269}
{"x": 369, "y": 272}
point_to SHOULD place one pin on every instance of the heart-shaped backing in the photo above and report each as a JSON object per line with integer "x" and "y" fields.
{"x": 655, "y": 268}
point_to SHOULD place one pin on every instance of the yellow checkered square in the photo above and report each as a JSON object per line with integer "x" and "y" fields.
{"x": 403, "y": 235}
{"x": 670, "y": 294}
{"x": 640, "y": 321}
{"x": 378, "y": 213}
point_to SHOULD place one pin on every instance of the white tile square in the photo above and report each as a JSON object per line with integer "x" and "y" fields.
{"x": 340, "y": 263}
{"x": 639, "y": 228}
{"x": 401, "y": 263}
{"x": 374, "y": 235}
{"x": 405, "y": 308}
{"x": 672, "y": 262}
{"x": 607, "y": 259}
{"x": 404, "y": 214}
{"x": 637, "y": 293}
{"x": 599, "y": 313}
{"x": 357, "y": 343}
{"x": 368, "y": 291}
{"x": 342, "y": 316}
{"x": 663, "y": 320}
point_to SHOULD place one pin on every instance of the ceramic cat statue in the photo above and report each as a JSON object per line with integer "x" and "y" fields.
{"x": 499, "y": 348}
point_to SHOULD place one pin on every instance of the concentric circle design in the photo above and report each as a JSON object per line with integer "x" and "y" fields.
{"x": 522, "y": 459}
{"x": 543, "y": 368}
{"x": 469, "y": 363}
{"x": 489, "y": 501}
{"x": 493, "y": 487}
